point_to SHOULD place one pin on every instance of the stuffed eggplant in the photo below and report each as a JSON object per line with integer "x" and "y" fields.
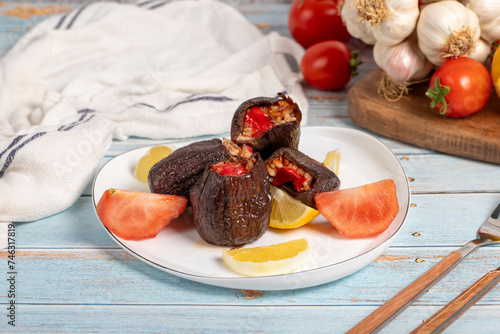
{"x": 267, "y": 124}
{"x": 177, "y": 173}
{"x": 299, "y": 175}
{"x": 232, "y": 201}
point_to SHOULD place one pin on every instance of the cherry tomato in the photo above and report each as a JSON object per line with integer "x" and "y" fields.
{"x": 460, "y": 87}
{"x": 314, "y": 21}
{"x": 328, "y": 65}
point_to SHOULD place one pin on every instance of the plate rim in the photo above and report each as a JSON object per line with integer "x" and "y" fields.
{"x": 211, "y": 280}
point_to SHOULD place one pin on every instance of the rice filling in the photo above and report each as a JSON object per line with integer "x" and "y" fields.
{"x": 284, "y": 171}
{"x": 270, "y": 115}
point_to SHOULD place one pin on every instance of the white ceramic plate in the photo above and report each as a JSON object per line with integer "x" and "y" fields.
{"x": 179, "y": 250}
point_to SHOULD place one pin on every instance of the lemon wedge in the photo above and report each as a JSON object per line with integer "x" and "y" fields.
{"x": 155, "y": 154}
{"x": 287, "y": 212}
{"x": 282, "y": 258}
{"x": 332, "y": 161}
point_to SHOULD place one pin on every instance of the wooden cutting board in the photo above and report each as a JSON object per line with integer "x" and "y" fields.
{"x": 413, "y": 121}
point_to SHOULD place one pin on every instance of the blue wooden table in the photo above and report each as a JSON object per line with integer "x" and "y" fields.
{"x": 73, "y": 278}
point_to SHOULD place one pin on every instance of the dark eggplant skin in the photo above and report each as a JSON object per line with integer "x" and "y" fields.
{"x": 179, "y": 172}
{"x": 282, "y": 135}
{"x": 232, "y": 210}
{"x": 325, "y": 180}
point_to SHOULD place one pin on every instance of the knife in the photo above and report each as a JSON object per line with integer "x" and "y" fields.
{"x": 488, "y": 233}
{"x": 454, "y": 309}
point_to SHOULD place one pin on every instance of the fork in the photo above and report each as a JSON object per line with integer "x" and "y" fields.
{"x": 488, "y": 233}
{"x": 449, "y": 313}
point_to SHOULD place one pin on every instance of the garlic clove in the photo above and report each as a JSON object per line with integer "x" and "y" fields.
{"x": 482, "y": 51}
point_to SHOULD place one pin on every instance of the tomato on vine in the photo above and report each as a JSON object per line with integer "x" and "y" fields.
{"x": 314, "y": 21}
{"x": 329, "y": 65}
{"x": 460, "y": 87}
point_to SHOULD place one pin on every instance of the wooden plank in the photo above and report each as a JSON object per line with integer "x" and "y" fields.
{"x": 221, "y": 319}
{"x": 443, "y": 173}
{"x": 411, "y": 120}
{"x": 77, "y": 227}
{"x": 113, "y": 277}
{"x": 452, "y": 223}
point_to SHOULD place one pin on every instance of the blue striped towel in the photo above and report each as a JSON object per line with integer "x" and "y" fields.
{"x": 156, "y": 69}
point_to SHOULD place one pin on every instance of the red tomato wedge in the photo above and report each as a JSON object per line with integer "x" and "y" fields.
{"x": 133, "y": 215}
{"x": 361, "y": 211}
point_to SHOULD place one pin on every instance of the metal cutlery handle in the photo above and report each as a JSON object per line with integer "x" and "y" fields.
{"x": 385, "y": 313}
{"x": 449, "y": 313}
{"x": 496, "y": 213}
{"x": 488, "y": 233}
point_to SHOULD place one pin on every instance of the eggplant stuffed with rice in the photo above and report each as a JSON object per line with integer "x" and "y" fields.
{"x": 232, "y": 201}
{"x": 228, "y": 182}
{"x": 267, "y": 124}
{"x": 299, "y": 175}
{"x": 179, "y": 172}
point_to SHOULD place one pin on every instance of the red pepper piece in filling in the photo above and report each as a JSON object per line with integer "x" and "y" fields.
{"x": 299, "y": 183}
{"x": 258, "y": 121}
{"x": 230, "y": 169}
{"x": 288, "y": 174}
{"x": 249, "y": 148}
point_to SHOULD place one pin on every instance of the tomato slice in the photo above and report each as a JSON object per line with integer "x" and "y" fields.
{"x": 133, "y": 215}
{"x": 258, "y": 121}
{"x": 230, "y": 169}
{"x": 361, "y": 211}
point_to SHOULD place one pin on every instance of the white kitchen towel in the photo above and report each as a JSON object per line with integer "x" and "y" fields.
{"x": 156, "y": 69}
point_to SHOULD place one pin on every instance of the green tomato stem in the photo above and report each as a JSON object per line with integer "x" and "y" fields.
{"x": 355, "y": 62}
{"x": 438, "y": 95}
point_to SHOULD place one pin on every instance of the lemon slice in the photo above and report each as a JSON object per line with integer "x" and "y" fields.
{"x": 147, "y": 161}
{"x": 287, "y": 212}
{"x": 282, "y": 258}
{"x": 332, "y": 161}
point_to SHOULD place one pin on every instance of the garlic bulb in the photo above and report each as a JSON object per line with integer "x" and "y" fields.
{"x": 403, "y": 62}
{"x": 488, "y": 13}
{"x": 354, "y": 25}
{"x": 447, "y": 29}
{"x": 387, "y": 21}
